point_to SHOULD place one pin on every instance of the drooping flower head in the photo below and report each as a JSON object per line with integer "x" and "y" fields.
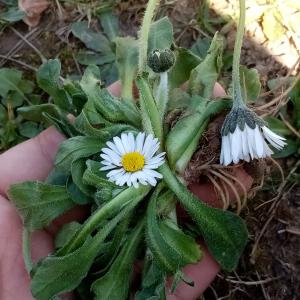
{"x": 244, "y": 136}
{"x": 132, "y": 160}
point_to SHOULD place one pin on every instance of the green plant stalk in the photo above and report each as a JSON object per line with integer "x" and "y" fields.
{"x": 26, "y": 249}
{"x": 185, "y": 158}
{"x": 127, "y": 88}
{"x": 130, "y": 195}
{"x": 236, "y": 85}
{"x": 149, "y": 106}
{"x": 162, "y": 94}
{"x": 106, "y": 230}
{"x": 144, "y": 33}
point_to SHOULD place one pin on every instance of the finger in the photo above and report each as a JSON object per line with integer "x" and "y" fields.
{"x": 202, "y": 274}
{"x": 208, "y": 194}
{"x": 30, "y": 160}
{"x": 218, "y": 90}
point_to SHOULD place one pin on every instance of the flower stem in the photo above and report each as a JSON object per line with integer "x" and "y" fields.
{"x": 26, "y": 249}
{"x": 237, "y": 90}
{"x": 144, "y": 33}
{"x": 162, "y": 93}
{"x": 130, "y": 195}
{"x": 149, "y": 109}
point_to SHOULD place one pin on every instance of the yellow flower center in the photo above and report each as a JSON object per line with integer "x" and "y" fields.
{"x": 133, "y": 161}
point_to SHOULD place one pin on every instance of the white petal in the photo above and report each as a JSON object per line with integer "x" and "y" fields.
{"x": 245, "y": 148}
{"x": 269, "y": 132}
{"x": 112, "y": 156}
{"x": 267, "y": 149}
{"x": 119, "y": 144}
{"x": 113, "y": 147}
{"x": 129, "y": 180}
{"x": 131, "y": 142}
{"x": 106, "y": 157}
{"x": 122, "y": 180}
{"x": 105, "y": 168}
{"x": 125, "y": 142}
{"x": 154, "y": 162}
{"x": 227, "y": 150}
{"x": 115, "y": 172}
{"x": 152, "y": 173}
{"x": 148, "y": 143}
{"x": 259, "y": 142}
{"x": 275, "y": 140}
{"x": 250, "y": 140}
{"x": 111, "y": 153}
{"x": 140, "y": 142}
{"x": 236, "y": 144}
{"x": 152, "y": 181}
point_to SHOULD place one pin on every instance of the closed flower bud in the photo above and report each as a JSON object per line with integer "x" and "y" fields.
{"x": 161, "y": 61}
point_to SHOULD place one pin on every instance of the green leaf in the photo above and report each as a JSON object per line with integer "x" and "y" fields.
{"x": 160, "y": 34}
{"x": 92, "y": 40}
{"x": 205, "y": 75}
{"x": 109, "y": 106}
{"x": 39, "y": 203}
{"x": 93, "y": 58}
{"x": 75, "y": 148}
{"x": 185, "y": 62}
{"x": 127, "y": 60}
{"x": 66, "y": 233}
{"x": 109, "y": 23}
{"x": 48, "y": 79}
{"x": 250, "y": 83}
{"x": 225, "y": 233}
{"x": 57, "y": 274}
{"x": 109, "y": 73}
{"x": 188, "y": 130}
{"x": 3, "y": 114}
{"x": 289, "y": 149}
{"x": 29, "y": 129}
{"x": 201, "y": 46}
{"x": 277, "y": 126}
{"x": 153, "y": 283}
{"x": 93, "y": 176}
{"x": 9, "y": 81}
{"x": 78, "y": 168}
{"x": 115, "y": 283}
{"x": 171, "y": 248}
{"x": 13, "y": 14}
{"x": 35, "y": 113}
{"x": 76, "y": 194}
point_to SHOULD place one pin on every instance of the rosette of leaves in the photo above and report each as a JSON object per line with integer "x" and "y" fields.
{"x": 96, "y": 258}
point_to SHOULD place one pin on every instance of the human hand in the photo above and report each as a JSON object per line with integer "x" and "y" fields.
{"x": 33, "y": 160}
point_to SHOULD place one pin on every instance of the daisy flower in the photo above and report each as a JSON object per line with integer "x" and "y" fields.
{"x": 244, "y": 137}
{"x": 132, "y": 160}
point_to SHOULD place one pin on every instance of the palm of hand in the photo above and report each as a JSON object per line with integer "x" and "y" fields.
{"x": 33, "y": 160}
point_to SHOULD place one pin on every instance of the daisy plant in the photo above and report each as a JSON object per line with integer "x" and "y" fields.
{"x": 124, "y": 159}
{"x": 243, "y": 131}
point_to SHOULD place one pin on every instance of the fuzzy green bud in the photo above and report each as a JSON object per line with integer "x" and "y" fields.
{"x": 161, "y": 60}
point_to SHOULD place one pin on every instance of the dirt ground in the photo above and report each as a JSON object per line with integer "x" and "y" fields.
{"x": 270, "y": 266}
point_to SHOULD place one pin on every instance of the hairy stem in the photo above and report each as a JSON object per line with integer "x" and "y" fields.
{"x": 26, "y": 249}
{"x": 126, "y": 197}
{"x": 162, "y": 94}
{"x": 144, "y": 33}
{"x": 237, "y": 91}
